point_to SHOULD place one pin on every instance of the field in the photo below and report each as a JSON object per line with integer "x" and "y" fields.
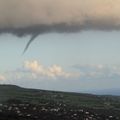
{"x": 18, "y": 103}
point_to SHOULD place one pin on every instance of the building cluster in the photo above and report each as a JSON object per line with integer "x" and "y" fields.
{"x": 49, "y": 111}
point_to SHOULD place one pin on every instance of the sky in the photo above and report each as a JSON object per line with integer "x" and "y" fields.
{"x": 79, "y": 61}
{"x": 61, "y": 45}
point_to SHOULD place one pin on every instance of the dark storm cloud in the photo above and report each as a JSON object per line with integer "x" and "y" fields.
{"x": 34, "y": 17}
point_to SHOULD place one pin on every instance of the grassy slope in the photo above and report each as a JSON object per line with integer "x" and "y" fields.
{"x": 73, "y": 99}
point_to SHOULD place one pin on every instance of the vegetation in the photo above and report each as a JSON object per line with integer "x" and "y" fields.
{"x": 35, "y": 96}
{"x": 14, "y": 95}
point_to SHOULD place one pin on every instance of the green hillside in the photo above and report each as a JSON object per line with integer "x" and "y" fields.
{"x": 12, "y": 92}
{"x": 12, "y": 96}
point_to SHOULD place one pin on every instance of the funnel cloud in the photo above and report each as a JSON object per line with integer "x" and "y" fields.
{"x": 28, "y": 17}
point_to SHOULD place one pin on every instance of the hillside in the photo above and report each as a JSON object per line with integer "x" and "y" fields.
{"x": 34, "y": 96}
{"x": 103, "y": 105}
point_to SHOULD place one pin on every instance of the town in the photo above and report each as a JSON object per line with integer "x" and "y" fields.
{"x": 49, "y": 111}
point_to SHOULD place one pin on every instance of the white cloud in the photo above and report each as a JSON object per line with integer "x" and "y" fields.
{"x": 98, "y": 70}
{"x": 54, "y": 71}
{"x": 36, "y": 75}
{"x": 33, "y": 70}
{"x": 2, "y": 77}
